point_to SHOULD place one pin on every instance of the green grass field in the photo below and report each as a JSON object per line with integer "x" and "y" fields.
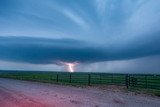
{"x": 134, "y": 80}
{"x": 65, "y": 77}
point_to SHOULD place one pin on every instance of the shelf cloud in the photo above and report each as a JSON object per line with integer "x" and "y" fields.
{"x": 52, "y": 51}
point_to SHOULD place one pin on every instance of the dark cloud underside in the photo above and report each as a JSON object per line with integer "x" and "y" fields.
{"x": 48, "y": 51}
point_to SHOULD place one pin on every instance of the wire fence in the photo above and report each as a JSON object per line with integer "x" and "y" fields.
{"x": 128, "y": 80}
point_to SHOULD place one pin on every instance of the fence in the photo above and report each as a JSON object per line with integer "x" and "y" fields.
{"x": 128, "y": 80}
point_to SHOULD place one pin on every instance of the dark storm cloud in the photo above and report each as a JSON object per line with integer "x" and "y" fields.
{"x": 48, "y": 51}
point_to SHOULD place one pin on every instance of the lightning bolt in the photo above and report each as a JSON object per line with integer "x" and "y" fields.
{"x": 71, "y": 67}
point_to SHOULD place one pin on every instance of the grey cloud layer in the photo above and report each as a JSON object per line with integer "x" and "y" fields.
{"x": 48, "y": 51}
{"x": 38, "y": 50}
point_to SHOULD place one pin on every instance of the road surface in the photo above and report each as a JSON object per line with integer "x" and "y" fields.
{"x": 16, "y": 93}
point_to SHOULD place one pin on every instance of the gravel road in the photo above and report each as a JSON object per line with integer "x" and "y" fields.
{"x": 16, "y": 93}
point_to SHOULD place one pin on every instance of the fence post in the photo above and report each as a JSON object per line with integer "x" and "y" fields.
{"x": 89, "y": 79}
{"x": 112, "y": 78}
{"x": 57, "y": 78}
{"x": 129, "y": 80}
{"x": 146, "y": 81}
{"x": 126, "y": 81}
{"x": 100, "y": 78}
{"x": 70, "y": 78}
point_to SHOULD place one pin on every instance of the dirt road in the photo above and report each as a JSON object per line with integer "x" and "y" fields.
{"x": 16, "y": 93}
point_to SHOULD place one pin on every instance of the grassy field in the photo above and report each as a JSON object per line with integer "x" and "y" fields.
{"x": 132, "y": 80}
{"x": 146, "y": 83}
{"x": 65, "y": 77}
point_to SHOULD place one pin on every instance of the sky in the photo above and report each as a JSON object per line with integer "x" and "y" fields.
{"x": 121, "y": 36}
